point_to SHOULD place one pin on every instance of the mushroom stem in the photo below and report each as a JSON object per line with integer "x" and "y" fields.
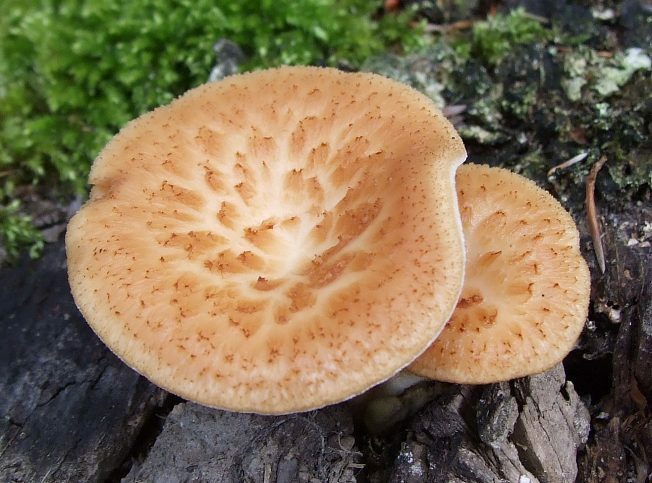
{"x": 394, "y": 386}
{"x": 399, "y": 383}
{"x": 385, "y": 405}
{"x": 592, "y": 215}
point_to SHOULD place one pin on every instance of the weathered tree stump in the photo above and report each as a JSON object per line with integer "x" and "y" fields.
{"x": 70, "y": 409}
{"x": 202, "y": 444}
{"x": 525, "y": 430}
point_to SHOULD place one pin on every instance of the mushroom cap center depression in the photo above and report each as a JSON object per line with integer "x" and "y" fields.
{"x": 279, "y": 256}
{"x": 276, "y": 223}
{"x": 286, "y": 221}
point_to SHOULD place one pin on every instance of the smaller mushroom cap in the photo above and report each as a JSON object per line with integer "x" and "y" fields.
{"x": 526, "y": 289}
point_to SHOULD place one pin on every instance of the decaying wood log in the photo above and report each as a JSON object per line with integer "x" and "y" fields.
{"x": 70, "y": 409}
{"x": 201, "y": 444}
{"x": 525, "y": 430}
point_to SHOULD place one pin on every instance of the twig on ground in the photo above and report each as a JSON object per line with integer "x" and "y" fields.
{"x": 443, "y": 28}
{"x": 535, "y": 17}
{"x": 591, "y": 213}
{"x": 570, "y": 162}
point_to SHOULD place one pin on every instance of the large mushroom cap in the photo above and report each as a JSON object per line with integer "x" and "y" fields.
{"x": 526, "y": 289}
{"x": 274, "y": 242}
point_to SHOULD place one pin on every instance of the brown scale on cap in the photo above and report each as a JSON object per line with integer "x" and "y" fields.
{"x": 526, "y": 288}
{"x": 274, "y": 242}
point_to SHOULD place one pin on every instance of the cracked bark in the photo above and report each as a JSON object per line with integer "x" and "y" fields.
{"x": 202, "y": 444}
{"x": 526, "y": 430}
{"x": 71, "y": 410}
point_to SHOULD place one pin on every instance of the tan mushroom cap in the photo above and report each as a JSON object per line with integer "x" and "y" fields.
{"x": 274, "y": 242}
{"x": 526, "y": 288}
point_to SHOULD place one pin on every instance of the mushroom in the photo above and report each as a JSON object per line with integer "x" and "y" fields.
{"x": 274, "y": 242}
{"x": 526, "y": 289}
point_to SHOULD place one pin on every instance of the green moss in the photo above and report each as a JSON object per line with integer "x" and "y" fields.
{"x": 532, "y": 164}
{"x": 575, "y": 67}
{"x": 585, "y": 70}
{"x": 616, "y": 73}
{"x": 491, "y": 40}
{"x": 481, "y": 135}
{"x": 632, "y": 169}
{"x": 520, "y": 101}
{"x": 543, "y": 104}
{"x": 17, "y": 232}
{"x": 487, "y": 109}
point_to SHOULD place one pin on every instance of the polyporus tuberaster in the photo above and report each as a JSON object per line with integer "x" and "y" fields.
{"x": 526, "y": 288}
{"x": 274, "y": 242}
